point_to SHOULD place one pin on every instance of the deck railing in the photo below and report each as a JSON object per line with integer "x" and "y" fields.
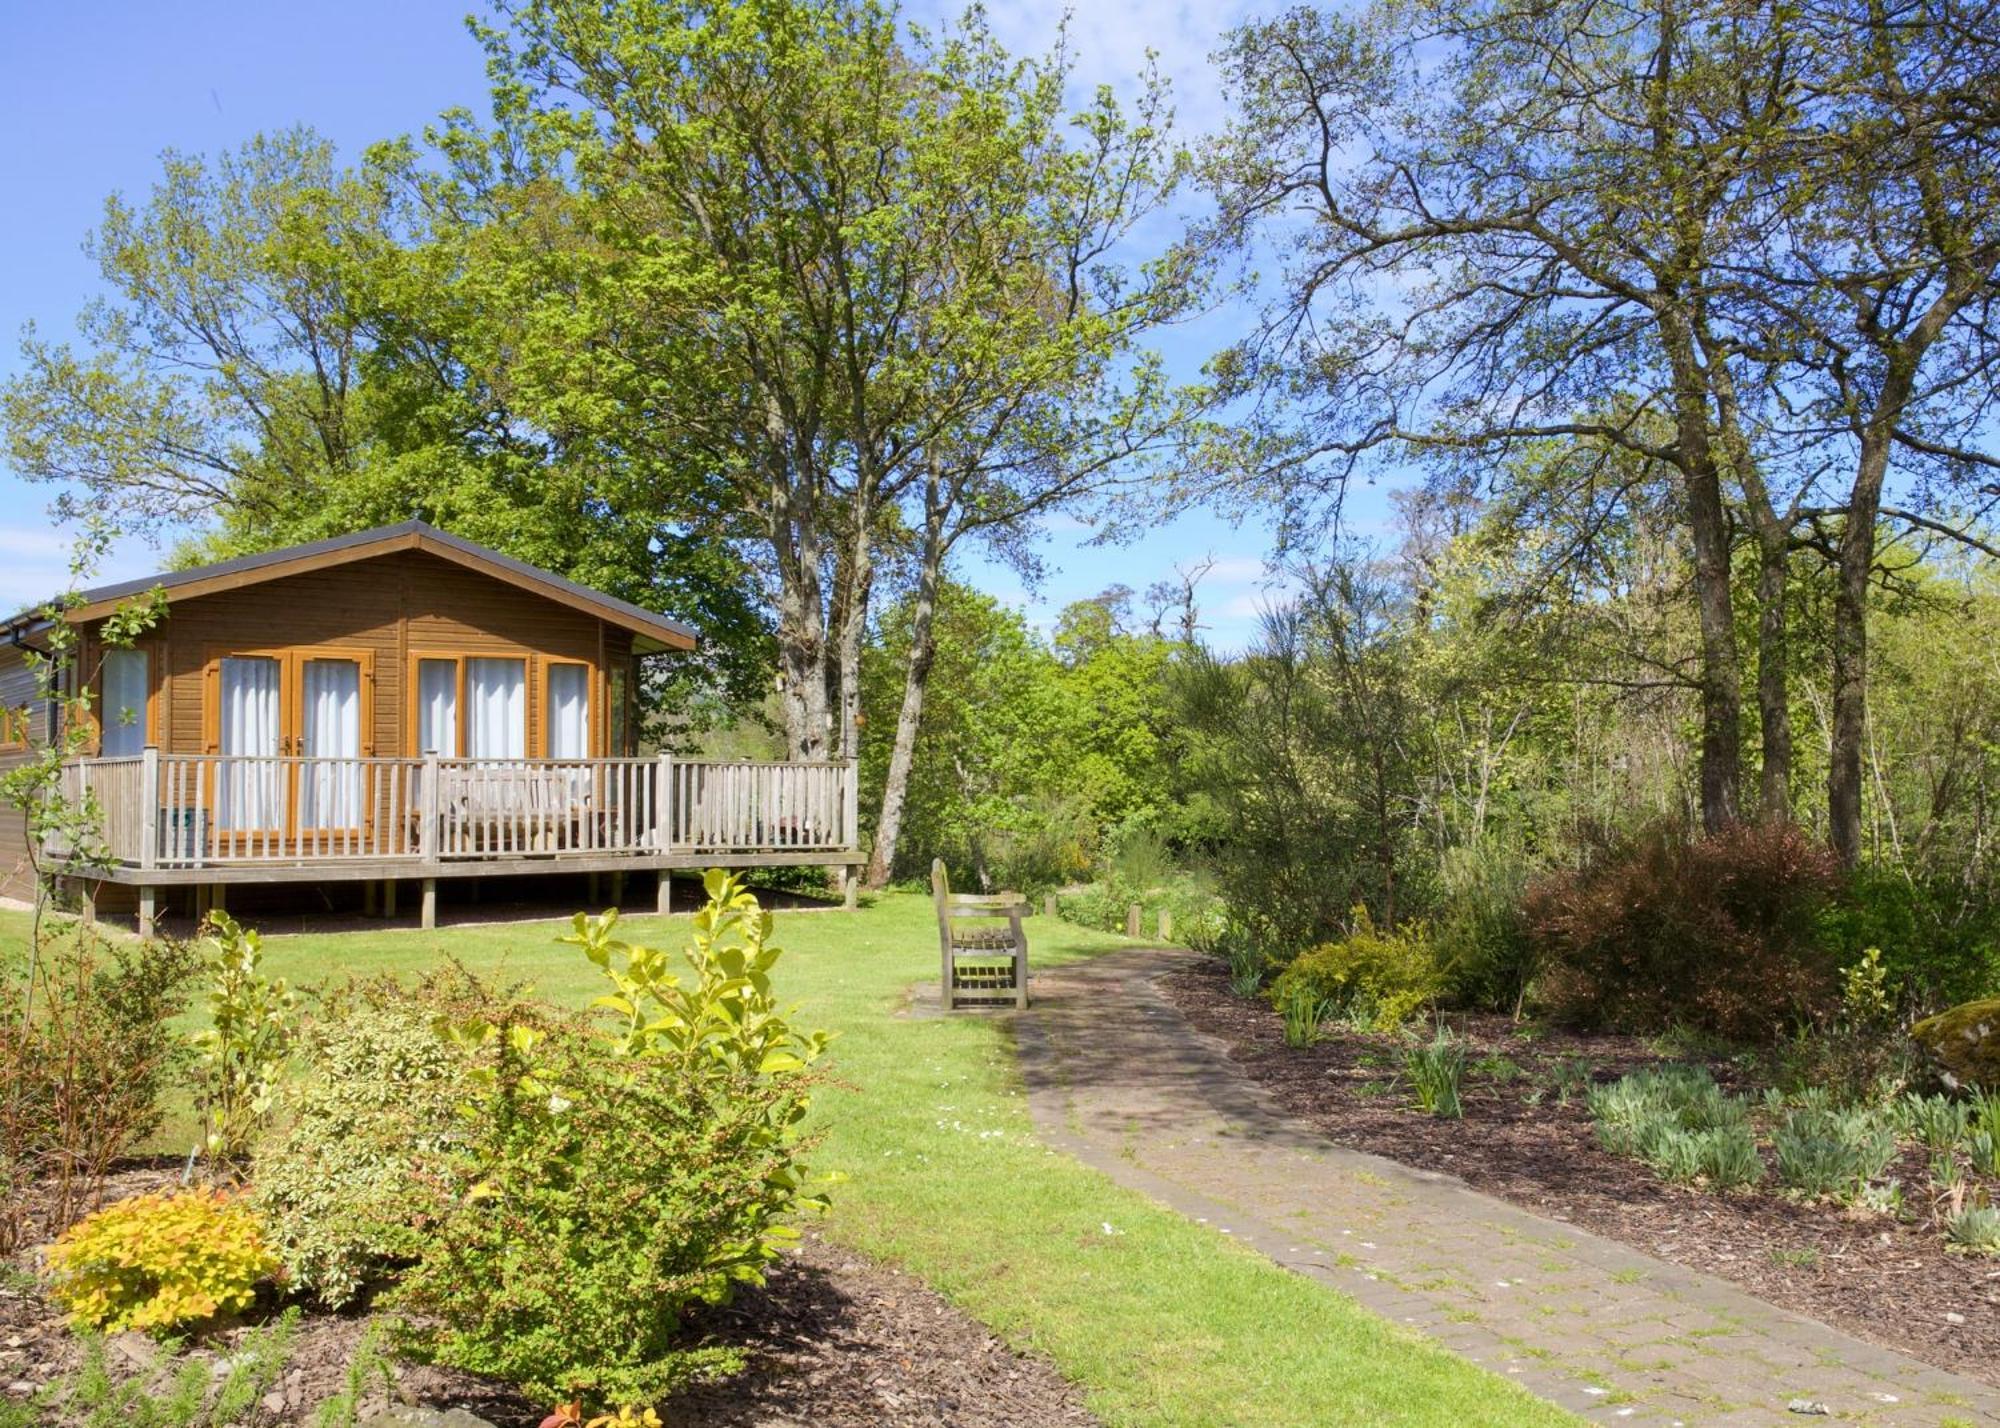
{"x": 163, "y": 810}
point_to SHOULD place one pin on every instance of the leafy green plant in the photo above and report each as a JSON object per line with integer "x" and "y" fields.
{"x": 1946, "y": 1173}
{"x": 1823, "y": 1151}
{"x": 243, "y": 1050}
{"x": 1246, "y": 969}
{"x": 1677, "y": 1120}
{"x": 1304, "y": 1014}
{"x": 160, "y": 1261}
{"x": 1373, "y": 977}
{"x": 1974, "y": 1229}
{"x": 358, "y": 1157}
{"x": 1937, "y": 1122}
{"x": 186, "y": 1395}
{"x": 1864, "y": 991}
{"x": 1985, "y": 1106}
{"x": 1982, "y": 1148}
{"x": 619, "y": 1173}
{"x": 1435, "y": 1070}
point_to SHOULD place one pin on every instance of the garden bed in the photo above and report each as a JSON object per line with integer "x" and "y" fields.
{"x": 832, "y": 1340}
{"x": 1528, "y": 1138}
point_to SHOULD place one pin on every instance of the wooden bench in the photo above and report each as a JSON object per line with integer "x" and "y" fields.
{"x": 985, "y": 958}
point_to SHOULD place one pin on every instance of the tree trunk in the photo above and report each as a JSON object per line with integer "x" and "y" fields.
{"x": 801, "y": 633}
{"x": 916, "y": 680}
{"x": 1774, "y": 707}
{"x": 1850, "y": 647}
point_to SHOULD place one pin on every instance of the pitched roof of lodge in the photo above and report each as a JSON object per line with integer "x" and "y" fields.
{"x": 653, "y": 630}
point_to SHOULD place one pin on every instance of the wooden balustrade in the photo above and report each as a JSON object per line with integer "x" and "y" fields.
{"x": 198, "y": 810}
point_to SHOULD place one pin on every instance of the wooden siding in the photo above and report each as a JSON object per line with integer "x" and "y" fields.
{"x": 17, "y": 689}
{"x": 388, "y": 611}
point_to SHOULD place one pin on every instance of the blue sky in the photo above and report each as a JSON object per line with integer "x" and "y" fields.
{"x": 97, "y": 91}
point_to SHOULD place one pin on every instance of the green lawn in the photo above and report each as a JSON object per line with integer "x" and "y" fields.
{"x": 1165, "y": 1322}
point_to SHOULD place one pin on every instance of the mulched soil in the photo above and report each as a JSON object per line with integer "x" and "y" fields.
{"x": 1881, "y": 1278}
{"x": 832, "y": 1341}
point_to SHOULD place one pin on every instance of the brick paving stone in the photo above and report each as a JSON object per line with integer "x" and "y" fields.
{"x": 1117, "y": 1078}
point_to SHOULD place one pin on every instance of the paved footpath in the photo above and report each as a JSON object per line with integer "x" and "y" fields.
{"x": 1117, "y": 1078}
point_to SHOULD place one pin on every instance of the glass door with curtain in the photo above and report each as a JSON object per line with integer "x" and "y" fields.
{"x": 329, "y": 734}
{"x": 249, "y": 779}
{"x": 269, "y": 711}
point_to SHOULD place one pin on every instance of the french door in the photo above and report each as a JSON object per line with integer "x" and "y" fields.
{"x": 267, "y": 711}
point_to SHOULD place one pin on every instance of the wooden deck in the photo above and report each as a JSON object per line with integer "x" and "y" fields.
{"x": 174, "y": 819}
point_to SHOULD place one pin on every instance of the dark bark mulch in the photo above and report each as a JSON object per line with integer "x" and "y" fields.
{"x": 832, "y": 1341}
{"x": 1883, "y": 1278}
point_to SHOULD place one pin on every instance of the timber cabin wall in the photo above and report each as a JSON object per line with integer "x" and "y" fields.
{"x": 389, "y": 610}
{"x": 23, "y": 723}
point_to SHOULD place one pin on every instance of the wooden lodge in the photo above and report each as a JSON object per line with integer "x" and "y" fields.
{"x": 398, "y": 704}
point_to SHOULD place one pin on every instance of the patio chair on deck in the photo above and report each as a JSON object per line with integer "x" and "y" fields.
{"x": 983, "y": 946}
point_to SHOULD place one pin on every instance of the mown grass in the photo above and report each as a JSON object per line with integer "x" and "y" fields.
{"x": 1162, "y": 1321}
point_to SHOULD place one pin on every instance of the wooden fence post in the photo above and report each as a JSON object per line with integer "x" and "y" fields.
{"x": 1132, "y": 916}
{"x": 1049, "y": 906}
{"x": 1166, "y": 924}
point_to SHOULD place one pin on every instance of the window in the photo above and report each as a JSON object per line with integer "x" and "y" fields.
{"x": 569, "y": 711}
{"x": 496, "y": 709}
{"x": 437, "y": 707}
{"x": 14, "y": 726}
{"x": 122, "y": 722}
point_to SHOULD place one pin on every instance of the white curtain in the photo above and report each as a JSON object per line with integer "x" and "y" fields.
{"x": 248, "y": 795}
{"x": 437, "y": 707}
{"x": 123, "y": 717}
{"x": 496, "y": 692}
{"x": 569, "y": 711}
{"x": 330, "y": 793}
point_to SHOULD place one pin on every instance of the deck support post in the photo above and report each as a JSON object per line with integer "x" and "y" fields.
{"x": 87, "y": 900}
{"x": 850, "y": 887}
{"x": 430, "y": 913}
{"x": 218, "y": 897}
{"x": 368, "y": 897}
{"x": 617, "y": 889}
{"x": 664, "y": 899}
{"x": 148, "y": 909}
{"x": 388, "y": 897}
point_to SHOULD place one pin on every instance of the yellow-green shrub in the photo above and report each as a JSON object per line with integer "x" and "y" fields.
{"x": 160, "y": 1261}
{"x": 1379, "y": 976}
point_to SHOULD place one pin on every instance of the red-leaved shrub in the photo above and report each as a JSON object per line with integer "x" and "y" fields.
{"x": 1715, "y": 935}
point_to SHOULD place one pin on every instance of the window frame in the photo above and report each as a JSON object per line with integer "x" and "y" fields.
{"x": 148, "y": 722}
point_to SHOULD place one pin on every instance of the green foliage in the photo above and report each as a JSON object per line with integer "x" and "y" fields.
{"x": 87, "y": 1051}
{"x": 244, "y": 1049}
{"x": 1982, "y": 1148}
{"x": 1936, "y": 1122}
{"x": 619, "y": 1174}
{"x": 1479, "y": 931}
{"x": 1435, "y": 1069}
{"x": 1716, "y": 935}
{"x": 1302, "y": 1013}
{"x": 1823, "y": 1151}
{"x": 160, "y": 1261}
{"x": 357, "y": 1159}
{"x": 1677, "y": 1120}
{"x": 189, "y": 1396}
{"x": 1936, "y": 941}
{"x": 1246, "y": 968}
{"x": 1373, "y": 976}
{"x": 1974, "y": 1229}
{"x": 1864, "y": 991}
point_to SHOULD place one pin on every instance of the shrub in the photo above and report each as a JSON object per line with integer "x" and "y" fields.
{"x": 1246, "y": 968}
{"x": 620, "y": 1174}
{"x": 1372, "y": 976}
{"x": 1435, "y": 1070}
{"x": 1982, "y": 1148}
{"x": 244, "y": 1048}
{"x": 84, "y": 1061}
{"x": 1938, "y": 939}
{"x": 1938, "y": 1122}
{"x": 357, "y": 1160}
{"x": 1717, "y": 935}
{"x": 1303, "y": 1013}
{"x": 1684, "y": 1126}
{"x": 160, "y": 1261}
{"x": 1974, "y": 1229}
{"x": 1480, "y": 933}
{"x": 1822, "y": 1151}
